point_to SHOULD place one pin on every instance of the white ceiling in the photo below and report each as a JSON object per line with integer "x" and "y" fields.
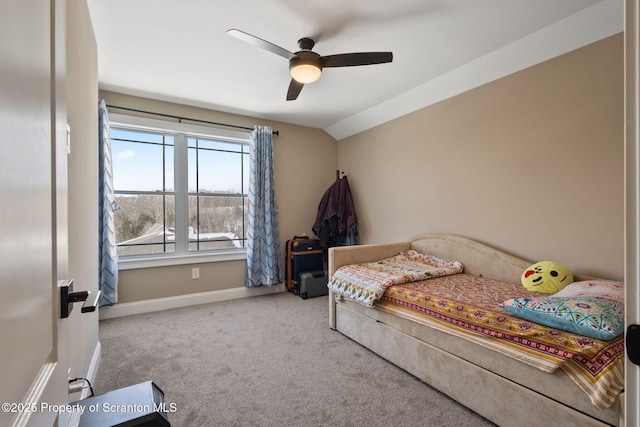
{"x": 179, "y": 51}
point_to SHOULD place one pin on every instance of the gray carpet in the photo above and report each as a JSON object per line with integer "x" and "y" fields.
{"x": 266, "y": 361}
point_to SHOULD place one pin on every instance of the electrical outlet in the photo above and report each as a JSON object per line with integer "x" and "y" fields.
{"x": 195, "y": 273}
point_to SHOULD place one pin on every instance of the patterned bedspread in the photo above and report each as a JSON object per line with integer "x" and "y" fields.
{"x": 468, "y": 306}
{"x": 366, "y": 283}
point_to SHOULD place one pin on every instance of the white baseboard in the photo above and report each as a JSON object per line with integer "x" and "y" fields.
{"x": 90, "y": 375}
{"x": 158, "y": 304}
{"x": 93, "y": 369}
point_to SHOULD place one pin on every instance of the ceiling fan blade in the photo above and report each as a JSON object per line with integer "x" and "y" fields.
{"x": 263, "y": 44}
{"x": 294, "y": 90}
{"x": 354, "y": 59}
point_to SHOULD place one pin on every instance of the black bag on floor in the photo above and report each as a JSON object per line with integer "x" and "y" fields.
{"x": 303, "y": 255}
{"x": 313, "y": 284}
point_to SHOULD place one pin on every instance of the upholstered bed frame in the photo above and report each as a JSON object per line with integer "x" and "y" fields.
{"x": 496, "y": 386}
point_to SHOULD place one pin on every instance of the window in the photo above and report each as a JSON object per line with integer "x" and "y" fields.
{"x": 218, "y": 187}
{"x": 182, "y": 190}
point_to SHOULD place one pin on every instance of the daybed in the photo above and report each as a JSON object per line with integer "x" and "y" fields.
{"x": 470, "y": 368}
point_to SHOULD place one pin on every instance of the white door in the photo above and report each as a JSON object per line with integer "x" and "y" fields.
{"x": 32, "y": 204}
{"x": 632, "y": 199}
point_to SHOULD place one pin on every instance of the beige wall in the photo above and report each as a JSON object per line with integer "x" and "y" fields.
{"x": 531, "y": 163}
{"x": 82, "y": 116}
{"x": 305, "y": 166}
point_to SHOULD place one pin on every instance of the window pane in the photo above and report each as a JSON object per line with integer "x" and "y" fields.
{"x": 219, "y": 172}
{"x": 245, "y": 174}
{"x": 214, "y": 218}
{"x": 137, "y": 166}
{"x": 136, "y": 135}
{"x": 169, "y": 176}
{"x": 145, "y": 224}
{"x": 147, "y": 249}
{"x": 214, "y": 244}
{"x": 215, "y": 145}
{"x": 193, "y": 183}
{"x": 246, "y": 220}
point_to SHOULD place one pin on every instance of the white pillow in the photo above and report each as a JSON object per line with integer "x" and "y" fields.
{"x": 593, "y": 288}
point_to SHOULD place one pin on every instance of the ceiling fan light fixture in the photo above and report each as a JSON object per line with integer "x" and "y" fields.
{"x": 304, "y": 71}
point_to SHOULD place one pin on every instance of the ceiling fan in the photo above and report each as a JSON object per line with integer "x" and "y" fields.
{"x": 306, "y": 65}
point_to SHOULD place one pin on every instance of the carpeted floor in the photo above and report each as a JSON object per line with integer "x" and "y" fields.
{"x": 266, "y": 361}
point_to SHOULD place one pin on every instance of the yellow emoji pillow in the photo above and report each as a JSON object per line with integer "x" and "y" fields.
{"x": 547, "y": 277}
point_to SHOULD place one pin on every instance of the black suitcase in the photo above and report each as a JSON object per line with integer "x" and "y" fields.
{"x": 313, "y": 284}
{"x": 303, "y": 255}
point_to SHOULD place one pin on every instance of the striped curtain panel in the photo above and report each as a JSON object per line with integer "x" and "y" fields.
{"x": 264, "y": 260}
{"x": 108, "y": 255}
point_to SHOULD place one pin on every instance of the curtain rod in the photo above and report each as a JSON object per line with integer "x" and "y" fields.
{"x": 180, "y": 118}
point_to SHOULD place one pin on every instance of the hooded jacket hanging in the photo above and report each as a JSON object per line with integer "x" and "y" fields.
{"x": 336, "y": 221}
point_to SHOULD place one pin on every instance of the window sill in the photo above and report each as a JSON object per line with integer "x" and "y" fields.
{"x": 133, "y": 263}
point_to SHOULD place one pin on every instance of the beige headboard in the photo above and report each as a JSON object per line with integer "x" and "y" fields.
{"x": 477, "y": 258}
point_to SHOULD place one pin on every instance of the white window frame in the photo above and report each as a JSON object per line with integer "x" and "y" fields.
{"x": 181, "y": 255}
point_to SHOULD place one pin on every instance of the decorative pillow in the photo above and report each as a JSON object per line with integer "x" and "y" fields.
{"x": 595, "y": 288}
{"x": 547, "y": 277}
{"x": 593, "y": 316}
